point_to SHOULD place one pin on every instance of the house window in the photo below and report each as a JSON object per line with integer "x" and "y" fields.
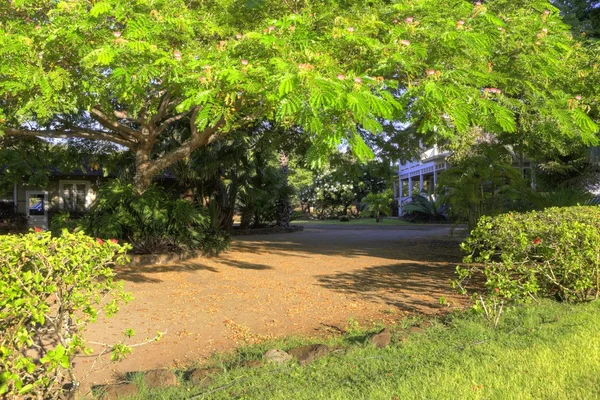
{"x": 74, "y": 195}
{"x": 36, "y": 206}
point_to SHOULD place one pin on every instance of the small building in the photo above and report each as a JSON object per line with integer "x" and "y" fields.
{"x": 74, "y": 192}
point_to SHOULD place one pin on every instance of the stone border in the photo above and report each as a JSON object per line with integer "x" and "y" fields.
{"x": 138, "y": 260}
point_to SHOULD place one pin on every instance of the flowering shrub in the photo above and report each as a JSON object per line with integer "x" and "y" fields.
{"x": 549, "y": 253}
{"x": 51, "y": 288}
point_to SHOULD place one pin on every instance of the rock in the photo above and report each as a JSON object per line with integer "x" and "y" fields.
{"x": 416, "y": 329}
{"x": 382, "y": 339}
{"x": 115, "y": 392}
{"x": 307, "y": 354}
{"x": 160, "y": 378}
{"x": 202, "y": 377}
{"x": 277, "y": 356}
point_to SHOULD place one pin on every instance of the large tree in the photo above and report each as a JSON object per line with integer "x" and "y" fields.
{"x": 124, "y": 71}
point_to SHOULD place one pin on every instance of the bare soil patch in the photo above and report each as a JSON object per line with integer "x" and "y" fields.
{"x": 278, "y": 285}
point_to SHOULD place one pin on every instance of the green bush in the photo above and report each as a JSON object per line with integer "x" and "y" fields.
{"x": 549, "y": 253}
{"x": 51, "y": 288}
{"x": 344, "y": 218}
{"x": 426, "y": 209}
{"x": 152, "y": 222}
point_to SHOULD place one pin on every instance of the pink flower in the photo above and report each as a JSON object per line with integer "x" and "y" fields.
{"x": 177, "y": 55}
{"x": 271, "y": 28}
{"x": 409, "y": 20}
{"x": 244, "y": 62}
{"x": 405, "y": 42}
{"x": 478, "y": 3}
{"x": 37, "y": 230}
{"x": 100, "y": 241}
{"x": 117, "y": 34}
{"x": 546, "y": 12}
{"x": 292, "y": 28}
{"x": 545, "y": 30}
{"x": 537, "y": 241}
{"x": 430, "y": 72}
{"x": 341, "y": 77}
{"x": 578, "y": 97}
{"x": 114, "y": 241}
{"x": 238, "y": 36}
{"x": 350, "y": 29}
{"x": 395, "y": 21}
{"x": 357, "y": 80}
{"x": 460, "y": 23}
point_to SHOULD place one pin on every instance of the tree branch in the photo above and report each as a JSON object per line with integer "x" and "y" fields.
{"x": 169, "y": 121}
{"x": 197, "y": 140}
{"x": 162, "y": 109}
{"x": 66, "y": 134}
{"x": 106, "y": 122}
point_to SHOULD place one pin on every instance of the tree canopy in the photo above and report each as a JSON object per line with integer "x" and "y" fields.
{"x": 125, "y": 71}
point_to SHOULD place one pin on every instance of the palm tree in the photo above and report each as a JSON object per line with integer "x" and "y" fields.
{"x": 378, "y": 204}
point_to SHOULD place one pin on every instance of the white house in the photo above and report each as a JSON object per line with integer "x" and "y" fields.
{"x": 420, "y": 175}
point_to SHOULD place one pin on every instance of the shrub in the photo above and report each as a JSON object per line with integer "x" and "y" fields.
{"x": 549, "y": 253}
{"x": 344, "y": 218}
{"x": 152, "y": 221}
{"x": 425, "y": 209}
{"x": 51, "y": 288}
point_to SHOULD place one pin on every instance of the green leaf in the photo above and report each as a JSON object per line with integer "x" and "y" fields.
{"x": 100, "y": 8}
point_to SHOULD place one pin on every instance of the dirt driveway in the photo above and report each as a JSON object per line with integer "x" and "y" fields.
{"x": 275, "y": 285}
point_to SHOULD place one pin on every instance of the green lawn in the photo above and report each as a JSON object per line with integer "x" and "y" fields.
{"x": 550, "y": 351}
{"x": 358, "y": 221}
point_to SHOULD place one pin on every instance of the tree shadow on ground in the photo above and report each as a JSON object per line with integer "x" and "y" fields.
{"x": 435, "y": 249}
{"x": 141, "y": 274}
{"x": 245, "y": 265}
{"x": 409, "y": 286}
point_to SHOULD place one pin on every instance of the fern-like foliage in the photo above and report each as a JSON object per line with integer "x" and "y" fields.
{"x": 151, "y": 222}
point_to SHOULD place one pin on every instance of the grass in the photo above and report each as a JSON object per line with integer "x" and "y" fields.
{"x": 353, "y": 221}
{"x": 546, "y": 351}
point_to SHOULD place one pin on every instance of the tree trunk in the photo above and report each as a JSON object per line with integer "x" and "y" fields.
{"x": 284, "y": 207}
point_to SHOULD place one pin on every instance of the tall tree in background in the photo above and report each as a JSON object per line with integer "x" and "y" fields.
{"x": 125, "y": 71}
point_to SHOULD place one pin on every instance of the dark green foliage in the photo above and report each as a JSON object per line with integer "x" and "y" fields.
{"x": 562, "y": 197}
{"x": 11, "y": 221}
{"x": 426, "y": 209}
{"x": 151, "y": 222}
{"x": 550, "y": 253}
{"x": 344, "y": 218}
{"x": 582, "y": 15}
{"x": 484, "y": 182}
